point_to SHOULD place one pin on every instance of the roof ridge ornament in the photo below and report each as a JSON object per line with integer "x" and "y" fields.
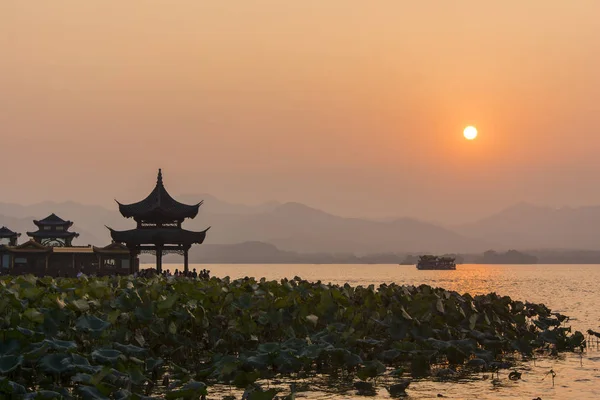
{"x": 159, "y": 182}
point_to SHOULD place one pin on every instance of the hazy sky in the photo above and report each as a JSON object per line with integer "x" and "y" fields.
{"x": 356, "y": 107}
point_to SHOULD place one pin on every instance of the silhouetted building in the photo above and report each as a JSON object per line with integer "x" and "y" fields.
{"x": 51, "y": 252}
{"x": 7, "y": 238}
{"x": 159, "y": 218}
{"x": 53, "y": 231}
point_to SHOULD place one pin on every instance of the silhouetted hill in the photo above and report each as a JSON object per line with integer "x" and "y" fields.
{"x": 526, "y": 226}
{"x": 297, "y": 227}
{"x": 263, "y": 253}
{"x": 509, "y": 257}
{"x": 290, "y": 227}
{"x": 218, "y": 206}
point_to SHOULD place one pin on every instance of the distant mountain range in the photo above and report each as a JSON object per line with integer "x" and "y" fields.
{"x": 297, "y": 228}
{"x": 527, "y": 226}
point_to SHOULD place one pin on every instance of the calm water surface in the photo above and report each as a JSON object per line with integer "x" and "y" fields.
{"x": 573, "y": 290}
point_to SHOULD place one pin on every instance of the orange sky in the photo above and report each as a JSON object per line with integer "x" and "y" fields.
{"x": 351, "y": 106}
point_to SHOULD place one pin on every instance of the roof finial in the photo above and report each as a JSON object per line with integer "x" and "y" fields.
{"x": 159, "y": 179}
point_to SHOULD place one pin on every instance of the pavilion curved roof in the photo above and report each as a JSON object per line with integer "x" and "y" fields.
{"x": 53, "y": 234}
{"x": 53, "y": 220}
{"x": 7, "y": 233}
{"x": 158, "y": 236}
{"x": 159, "y": 205}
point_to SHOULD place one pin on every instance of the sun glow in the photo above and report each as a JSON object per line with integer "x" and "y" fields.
{"x": 470, "y": 132}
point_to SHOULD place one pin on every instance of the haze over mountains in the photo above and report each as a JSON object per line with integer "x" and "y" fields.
{"x": 294, "y": 227}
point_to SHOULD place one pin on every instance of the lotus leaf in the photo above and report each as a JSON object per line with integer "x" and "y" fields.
{"x": 130, "y": 349}
{"x": 242, "y": 378}
{"x": 44, "y": 394}
{"x": 11, "y": 388}
{"x": 122, "y": 395}
{"x": 390, "y": 356}
{"x": 34, "y": 315}
{"x": 287, "y": 363}
{"x": 167, "y": 303}
{"x": 81, "y": 305}
{"x": 91, "y": 323}
{"x": 312, "y": 351}
{"x": 420, "y": 366}
{"x": 11, "y": 346}
{"x": 36, "y": 350}
{"x": 238, "y": 331}
{"x": 153, "y": 363}
{"x": 106, "y": 356}
{"x": 397, "y": 372}
{"x": 60, "y": 345}
{"x": 136, "y": 376}
{"x": 371, "y": 370}
{"x": 398, "y": 389}
{"x": 10, "y": 363}
{"x": 439, "y": 305}
{"x": 365, "y": 388}
{"x": 191, "y": 390}
{"x": 370, "y": 342}
{"x": 575, "y": 341}
{"x": 477, "y": 363}
{"x": 262, "y": 394}
{"x": 58, "y": 363}
{"x": 90, "y": 393}
{"x": 82, "y": 378}
{"x": 455, "y": 356}
{"x": 25, "y": 332}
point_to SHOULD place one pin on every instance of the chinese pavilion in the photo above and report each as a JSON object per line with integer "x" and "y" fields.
{"x": 53, "y": 231}
{"x": 159, "y": 218}
{"x": 8, "y": 237}
{"x": 51, "y": 252}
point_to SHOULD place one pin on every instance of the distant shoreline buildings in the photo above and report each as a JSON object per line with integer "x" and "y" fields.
{"x": 50, "y": 249}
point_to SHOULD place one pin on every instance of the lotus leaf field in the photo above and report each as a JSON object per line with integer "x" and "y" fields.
{"x": 125, "y": 337}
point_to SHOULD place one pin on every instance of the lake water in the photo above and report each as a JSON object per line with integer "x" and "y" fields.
{"x": 572, "y": 290}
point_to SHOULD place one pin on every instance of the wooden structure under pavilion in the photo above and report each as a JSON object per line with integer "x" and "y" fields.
{"x": 158, "y": 231}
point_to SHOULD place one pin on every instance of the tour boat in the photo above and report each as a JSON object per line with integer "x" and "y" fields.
{"x": 428, "y": 262}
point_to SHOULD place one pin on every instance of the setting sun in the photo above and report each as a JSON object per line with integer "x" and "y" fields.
{"x": 470, "y": 132}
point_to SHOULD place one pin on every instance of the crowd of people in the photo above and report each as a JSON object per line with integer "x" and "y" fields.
{"x": 203, "y": 274}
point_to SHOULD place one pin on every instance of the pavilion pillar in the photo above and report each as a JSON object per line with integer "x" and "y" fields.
{"x": 186, "y": 267}
{"x": 159, "y": 253}
{"x": 132, "y": 257}
{"x": 133, "y": 264}
{"x": 46, "y": 266}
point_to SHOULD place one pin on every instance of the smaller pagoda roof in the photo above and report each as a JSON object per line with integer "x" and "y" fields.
{"x": 159, "y": 205}
{"x": 52, "y": 220}
{"x": 31, "y": 246}
{"x": 158, "y": 236}
{"x": 53, "y": 234}
{"x": 7, "y": 233}
{"x": 113, "y": 248}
